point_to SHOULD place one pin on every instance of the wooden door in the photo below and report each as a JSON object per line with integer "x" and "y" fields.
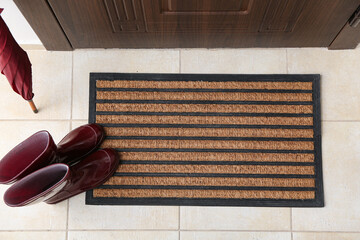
{"x": 201, "y": 23}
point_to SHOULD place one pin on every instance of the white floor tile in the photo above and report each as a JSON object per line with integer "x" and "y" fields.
{"x": 78, "y": 123}
{"x": 33, "y": 235}
{"x": 120, "y": 61}
{"x": 234, "y": 218}
{"x": 123, "y": 235}
{"x": 341, "y": 167}
{"x": 235, "y": 235}
{"x": 39, "y": 216}
{"x": 97, "y": 217}
{"x": 240, "y": 61}
{"x": 51, "y": 85}
{"x": 340, "y": 85}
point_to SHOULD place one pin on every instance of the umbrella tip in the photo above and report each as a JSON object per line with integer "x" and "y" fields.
{"x": 33, "y": 107}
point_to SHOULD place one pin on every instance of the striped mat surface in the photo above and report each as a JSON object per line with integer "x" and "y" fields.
{"x": 210, "y": 140}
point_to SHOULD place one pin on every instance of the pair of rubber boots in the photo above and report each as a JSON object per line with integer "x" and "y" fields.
{"x": 44, "y": 171}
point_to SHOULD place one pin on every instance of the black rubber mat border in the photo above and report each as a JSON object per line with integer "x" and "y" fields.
{"x": 319, "y": 192}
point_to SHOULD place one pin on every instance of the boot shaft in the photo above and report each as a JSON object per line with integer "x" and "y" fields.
{"x": 38, "y": 186}
{"x": 37, "y": 151}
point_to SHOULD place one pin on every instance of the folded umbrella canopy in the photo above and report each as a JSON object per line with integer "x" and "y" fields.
{"x": 15, "y": 64}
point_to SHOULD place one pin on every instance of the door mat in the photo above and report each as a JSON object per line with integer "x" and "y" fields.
{"x": 210, "y": 140}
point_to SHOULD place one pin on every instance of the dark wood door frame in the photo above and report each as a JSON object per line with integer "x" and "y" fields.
{"x": 43, "y": 21}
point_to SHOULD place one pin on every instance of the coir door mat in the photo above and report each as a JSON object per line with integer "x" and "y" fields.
{"x": 214, "y": 140}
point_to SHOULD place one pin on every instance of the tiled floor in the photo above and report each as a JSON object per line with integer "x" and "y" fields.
{"x": 61, "y": 94}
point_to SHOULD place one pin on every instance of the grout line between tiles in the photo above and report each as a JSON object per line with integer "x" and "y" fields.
{"x": 32, "y": 230}
{"x": 67, "y": 220}
{"x": 269, "y": 231}
{"x": 122, "y": 230}
{"x": 219, "y": 230}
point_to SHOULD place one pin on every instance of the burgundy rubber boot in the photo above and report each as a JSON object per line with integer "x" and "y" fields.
{"x": 59, "y": 181}
{"x": 79, "y": 143}
{"x": 39, "y": 150}
{"x": 35, "y": 152}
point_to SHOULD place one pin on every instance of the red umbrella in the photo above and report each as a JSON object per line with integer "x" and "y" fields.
{"x": 15, "y": 64}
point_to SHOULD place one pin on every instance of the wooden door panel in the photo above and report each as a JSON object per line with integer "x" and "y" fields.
{"x": 84, "y": 22}
{"x": 214, "y": 15}
{"x": 282, "y": 16}
{"x": 201, "y": 15}
{"x": 125, "y": 15}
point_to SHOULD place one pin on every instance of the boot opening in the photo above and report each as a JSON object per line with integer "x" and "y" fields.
{"x": 35, "y": 185}
{"x": 22, "y": 156}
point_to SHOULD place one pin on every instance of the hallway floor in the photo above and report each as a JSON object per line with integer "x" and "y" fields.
{"x": 61, "y": 86}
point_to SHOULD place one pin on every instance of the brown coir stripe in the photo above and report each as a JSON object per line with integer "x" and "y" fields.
{"x": 229, "y": 169}
{"x": 209, "y": 181}
{"x": 218, "y": 96}
{"x": 209, "y": 144}
{"x": 140, "y": 119}
{"x": 203, "y": 84}
{"x": 210, "y": 132}
{"x": 216, "y": 156}
{"x": 219, "y": 194}
{"x": 204, "y": 108}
